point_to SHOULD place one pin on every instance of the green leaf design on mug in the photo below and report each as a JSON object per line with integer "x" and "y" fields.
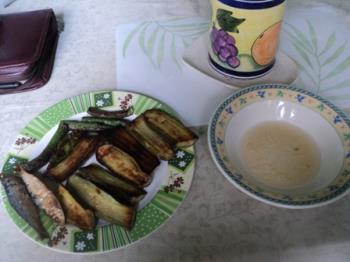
{"x": 228, "y": 22}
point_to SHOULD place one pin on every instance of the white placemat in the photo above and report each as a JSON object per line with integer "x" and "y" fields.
{"x": 149, "y": 61}
{"x": 318, "y": 38}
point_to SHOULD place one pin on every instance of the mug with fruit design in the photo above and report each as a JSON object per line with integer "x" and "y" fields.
{"x": 244, "y": 36}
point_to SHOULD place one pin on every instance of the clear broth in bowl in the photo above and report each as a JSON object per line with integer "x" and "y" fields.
{"x": 280, "y": 155}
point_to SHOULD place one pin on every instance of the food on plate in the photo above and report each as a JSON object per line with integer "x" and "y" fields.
{"x": 104, "y": 205}
{"x": 64, "y": 148}
{"x": 76, "y": 214}
{"x": 150, "y": 139}
{"x": 121, "y": 190}
{"x": 120, "y": 114}
{"x": 43, "y": 197}
{"x": 170, "y": 128}
{"x": 85, "y": 126}
{"x": 106, "y": 121}
{"x": 121, "y": 138}
{"x": 41, "y": 160}
{"x": 20, "y": 200}
{"x": 81, "y": 152}
{"x": 122, "y": 165}
{"x": 69, "y": 192}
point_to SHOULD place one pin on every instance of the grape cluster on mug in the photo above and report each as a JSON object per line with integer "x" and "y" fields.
{"x": 224, "y": 47}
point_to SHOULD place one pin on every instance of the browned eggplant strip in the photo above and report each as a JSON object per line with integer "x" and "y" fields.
{"x": 119, "y": 114}
{"x": 81, "y": 152}
{"x": 122, "y": 165}
{"x": 75, "y": 213}
{"x": 64, "y": 148}
{"x": 122, "y": 190}
{"x": 121, "y": 138}
{"x": 169, "y": 127}
{"x": 150, "y": 139}
{"x": 104, "y": 205}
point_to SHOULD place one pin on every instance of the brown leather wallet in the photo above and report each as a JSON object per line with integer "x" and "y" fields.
{"x": 28, "y": 44}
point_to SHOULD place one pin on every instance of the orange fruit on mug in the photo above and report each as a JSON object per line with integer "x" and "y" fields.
{"x": 265, "y": 46}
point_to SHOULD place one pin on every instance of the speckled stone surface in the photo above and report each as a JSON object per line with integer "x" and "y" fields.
{"x": 216, "y": 221}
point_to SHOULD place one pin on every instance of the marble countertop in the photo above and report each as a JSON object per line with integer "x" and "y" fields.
{"x": 216, "y": 221}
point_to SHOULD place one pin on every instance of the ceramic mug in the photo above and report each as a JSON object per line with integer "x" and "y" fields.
{"x": 244, "y": 36}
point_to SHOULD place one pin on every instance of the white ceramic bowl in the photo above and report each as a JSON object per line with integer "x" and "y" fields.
{"x": 324, "y": 122}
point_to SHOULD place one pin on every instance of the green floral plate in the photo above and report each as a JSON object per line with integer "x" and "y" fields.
{"x": 171, "y": 181}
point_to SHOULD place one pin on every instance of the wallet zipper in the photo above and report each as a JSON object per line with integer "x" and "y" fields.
{"x": 10, "y": 85}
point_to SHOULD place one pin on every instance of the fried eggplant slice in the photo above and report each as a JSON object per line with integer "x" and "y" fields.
{"x": 42, "y": 159}
{"x": 169, "y": 127}
{"x": 119, "y": 114}
{"x": 64, "y": 148}
{"x": 21, "y": 201}
{"x": 75, "y": 213}
{"x": 123, "y": 191}
{"x": 104, "y": 205}
{"x": 81, "y": 152}
{"x": 122, "y": 165}
{"x": 121, "y": 138}
{"x": 150, "y": 139}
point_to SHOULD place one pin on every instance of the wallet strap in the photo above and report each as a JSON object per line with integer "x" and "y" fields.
{"x": 43, "y": 70}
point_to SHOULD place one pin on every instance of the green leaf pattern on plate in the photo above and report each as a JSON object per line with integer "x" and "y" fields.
{"x": 11, "y": 162}
{"x": 104, "y": 99}
{"x": 85, "y": 241}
